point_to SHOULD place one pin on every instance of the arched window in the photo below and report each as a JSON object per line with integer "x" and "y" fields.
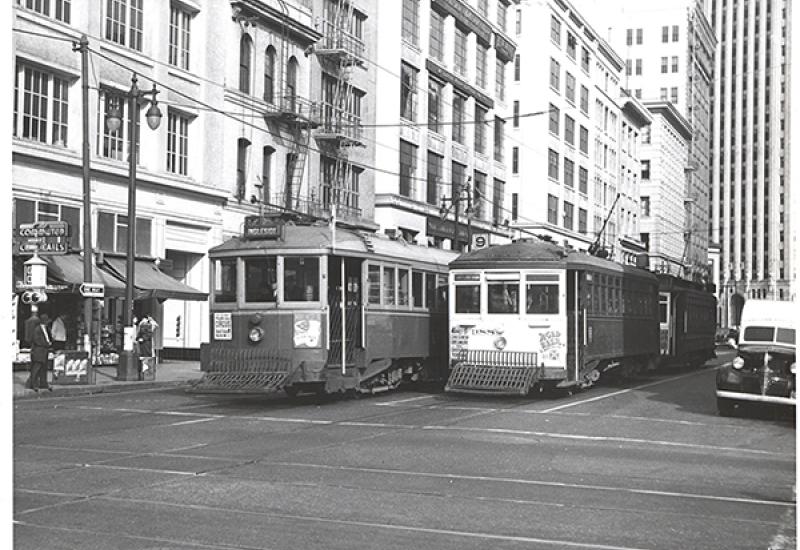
{"x": 291, "y": 83}
{"x": 243, "y": 147}
{"x": 245, "y": 63}
{"x": 269, "y": 75}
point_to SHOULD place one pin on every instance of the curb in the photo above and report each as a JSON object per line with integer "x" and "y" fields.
{"x": 73, "y": 391}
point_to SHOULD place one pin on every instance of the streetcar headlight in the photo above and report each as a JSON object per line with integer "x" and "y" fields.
{"x": 256, "y": 334}
{"x": 738, "y": 363}
{"x": 793, "y": 368}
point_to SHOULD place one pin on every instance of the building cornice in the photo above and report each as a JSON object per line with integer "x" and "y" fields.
{"x": 672, "y": 115}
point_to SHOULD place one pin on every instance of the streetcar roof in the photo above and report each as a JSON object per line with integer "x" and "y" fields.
{"x": 319, "y": 239}
{"x": 538, "y": 254}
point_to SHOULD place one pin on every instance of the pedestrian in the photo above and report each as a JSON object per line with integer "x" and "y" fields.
{"x": 58, "y": 330}
{"x": 144, "y": 335}
{"x": 40, "y": 351}
{"x": 30, "y": 325}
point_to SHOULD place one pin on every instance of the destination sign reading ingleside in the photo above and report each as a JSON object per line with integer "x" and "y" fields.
{"x": 260, "y": 228}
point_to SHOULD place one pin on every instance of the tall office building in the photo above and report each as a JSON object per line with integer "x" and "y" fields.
{"x": 751, "y": 169}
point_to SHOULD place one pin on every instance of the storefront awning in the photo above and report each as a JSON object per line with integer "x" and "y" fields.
{"x": 150, "y": 282}
{"x": 67, "y": 269}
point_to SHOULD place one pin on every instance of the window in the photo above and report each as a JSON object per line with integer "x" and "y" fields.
{"x": 26, "y": 211}
{"x": 555, "y": 30}
{"x": 225, "y": 280}
{"x": 468, "y": 293}
{"x": 674, "y": 33}
{"x": 570, "y": 88}
{"x": 388, "y": 286}
{"x": 569, "y": 174}
{"x": 434, "y": 104}
{"x": 552, "y": 209}
{"x": 41, "y": 105}
{"x": 583, "y": 180}
{"x": 457, "y": 173}
{"x": 517, "y": 68}
{"x": 408, "y": 90}
{"x": 572, "y": 45}
{"x": 663, "y": 95}
{"x": 569, "y": 130}
{"x": 664, "y": 64}
{"x": 269, "y": 75}
{"x": 552, "y": 164}
{"x": 177, "y": 143}
{"x": 555, "y": 118}
{"x": 629, "y": 37}
{"x": 518, "y": 25}
{"x": 673, "y": 94}
{"x": 541, "y": 298}
{"x": 260, "y": 279}
{"x": 569, "y": 222}
{"x": 584, "y": 140}
{"x": 124, "y": 23}
{"x": 515, "y": 122}
{"x": 584, "y": 100}
{"x": 436, "y": 42}
{"x": 665, "y": 34}
{"x": 502, "y": 14}
{"x": 112, "y": 234}
{"x": 374, "y": 284}
{"x": 555, "y": 75}
{"x": 499, "y": 138}
{"x": 61, "y": 12}
{"x": 416, "y": 288}
{"x": 408, "y": 167}
{"x": 242, "y": 148}
{"x": 458, "y": 118}
{"x": 645, "y": 203}
{"x": 638, "y": 66}
{"x": 460, "y": 51}
{"x": 179, "y": 31}
{"x": 639, "y": 36}
{"x": 497, "y": 201}
{"x": 645, "y": 169}
{"x": 245, "y": 63}
{"x": 300, "y": 279}
{"x": 674, "y": 63}
{"x": 502, "y": 295}
{"x": 337, "y": 189}
{"x": 582, "y": 221}
{"x": 266, "y": 173}
{"x": 402, "y": 286}
{"x": 481, "y": 54}
{"x": 515, "y": 160}
{"x": 410, "y": 26}
{"x": 479, "y": 195}
{"x": 585, "y": 59}
{"x": 629, "y": 67}
{"x": 434, "y": 177}
{"x": 500, "y": 79}
{"x": 514, "y": 206}
{"x": 480, "y": 128}
{"x": 290, "y": 94}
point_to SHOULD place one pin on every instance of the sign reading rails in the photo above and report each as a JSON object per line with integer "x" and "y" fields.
{"x": 42, "y": 237}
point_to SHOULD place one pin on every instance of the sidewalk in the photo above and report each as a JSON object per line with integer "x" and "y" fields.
{"x": 168, "y": 373}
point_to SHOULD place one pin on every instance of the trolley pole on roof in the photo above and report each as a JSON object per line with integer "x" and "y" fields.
{"x": 455, "y": 203}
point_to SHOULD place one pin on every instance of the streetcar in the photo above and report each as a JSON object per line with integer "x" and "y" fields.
{"x": 531, "y": 315}
{"x": 312, "y": 307}
{"x": 687, "y": 322}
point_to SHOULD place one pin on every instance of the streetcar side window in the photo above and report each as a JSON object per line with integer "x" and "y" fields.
{"x": 374, "y": 284}
{"x": 225, "y": 280}
{"x": 388, "y": 286}
{"x": 541, "y": 299}
{"x": 260, "y": 279}
{"x": 416, "y": 288}
{"x": 430, "y": 290}
{"x": 663, "y": 308}
{"x": 300, "y": 279}
{"x": 402, "y": 287}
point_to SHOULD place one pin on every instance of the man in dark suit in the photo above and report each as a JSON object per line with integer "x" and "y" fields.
{"x": 40, "y": 348}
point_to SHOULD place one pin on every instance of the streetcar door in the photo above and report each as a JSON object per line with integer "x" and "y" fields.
{"x": 575, "y": 323}
{"x": 352, "y": 311}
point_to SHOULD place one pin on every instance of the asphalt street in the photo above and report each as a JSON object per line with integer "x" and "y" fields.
{"x": 645, "y": 464}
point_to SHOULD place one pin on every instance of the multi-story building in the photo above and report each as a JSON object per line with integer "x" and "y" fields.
{"x": 266, "y": 107}
{"x": 565, "y": 138}
{"x": 669, "y": 52}
{"x": 441, "y": 76}
{"x": 751, "y": 160}
{"x": 664, "y": 156}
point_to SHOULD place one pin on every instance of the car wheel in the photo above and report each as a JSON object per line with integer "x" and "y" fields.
{"x": 726, "y": 407}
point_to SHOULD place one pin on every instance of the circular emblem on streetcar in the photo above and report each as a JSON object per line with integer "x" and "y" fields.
{"x": 500, "y": 343}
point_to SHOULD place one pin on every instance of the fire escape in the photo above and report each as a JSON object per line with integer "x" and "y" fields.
{"x": 339, "y": 51}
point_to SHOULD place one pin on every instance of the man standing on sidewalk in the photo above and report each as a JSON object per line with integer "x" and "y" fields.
{"x": 40, "y": 350}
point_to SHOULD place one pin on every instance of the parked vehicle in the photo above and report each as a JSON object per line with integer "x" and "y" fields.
{"x": 305, "y": 307}
{"x": 764, "y": 368}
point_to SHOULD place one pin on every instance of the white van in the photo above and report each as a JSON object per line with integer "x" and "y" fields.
{"x": 765, "y": 364}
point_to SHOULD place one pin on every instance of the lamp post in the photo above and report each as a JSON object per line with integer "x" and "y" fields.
{"x": 128, "y": 368}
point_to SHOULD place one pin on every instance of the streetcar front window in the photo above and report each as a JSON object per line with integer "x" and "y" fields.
{"x": 225, "y": 280}
{"x": 503, "y": 297}
{"x": 300, "y": 279}
{"x": 468, "y": 298}
{"x": 260, "y": 279}
{"x": 541, "y": 299}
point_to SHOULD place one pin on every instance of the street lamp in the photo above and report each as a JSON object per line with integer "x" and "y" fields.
{"x": 128, "y": 368}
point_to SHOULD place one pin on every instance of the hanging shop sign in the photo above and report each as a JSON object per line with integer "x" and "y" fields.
{"x": 42, "y": 238}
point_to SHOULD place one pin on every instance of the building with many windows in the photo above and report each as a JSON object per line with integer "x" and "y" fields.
{"x": 442, "y": 69}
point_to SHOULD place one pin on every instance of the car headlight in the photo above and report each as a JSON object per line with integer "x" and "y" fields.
{"x": 738, "y": 363}
{"x": 256, "y": 334}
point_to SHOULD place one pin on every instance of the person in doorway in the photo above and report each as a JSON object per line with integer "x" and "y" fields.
{"x": 144, "y": 335}
{"x": 40, "y": 350}
{"x": 58, "y": 330}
